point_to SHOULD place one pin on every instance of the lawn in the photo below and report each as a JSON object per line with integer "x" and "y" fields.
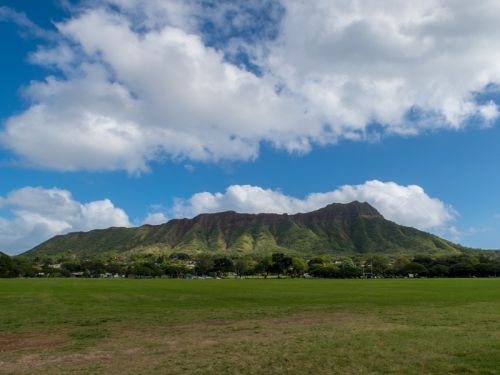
{"x": 407, "y": 326}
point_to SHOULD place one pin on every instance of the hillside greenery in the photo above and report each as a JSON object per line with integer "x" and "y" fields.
{"x": 338, "y": 229}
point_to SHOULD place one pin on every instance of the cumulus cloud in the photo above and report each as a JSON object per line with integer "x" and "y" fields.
{"x": 407, "y": 205}
{"x": 160, "y": 93}
{"x": 144, "y": 80}
{"x": 361, "y": 61}
{"x": 155, "y": 218}
{"x": 36, "y": 214}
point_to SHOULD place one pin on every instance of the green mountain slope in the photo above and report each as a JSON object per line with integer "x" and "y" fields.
{"x": 335, "y": 229}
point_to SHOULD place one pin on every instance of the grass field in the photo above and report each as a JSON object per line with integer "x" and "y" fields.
{"x": 425, "y": 326}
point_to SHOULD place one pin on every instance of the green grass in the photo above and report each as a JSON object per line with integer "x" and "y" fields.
{"x": 407, "y": 326}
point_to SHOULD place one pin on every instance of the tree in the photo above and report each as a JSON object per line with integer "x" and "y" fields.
{"x": 72, "y": 266}
{"x": 401, "y": 261}
{"x": 241, "y": 266}
{"x": 484, "y": 269}
{"x": 328, "y": 270}
{"x": 414, "y": 269}
{"x": 299, "y": 267}
{"x": 22, "y": 266}
{"x": 281, "y": 263}
{"x": 318, "y": 261}
{"x": 180, "y": 256}
{"x": 349, "y": 270}
{"x": 462, "y": 269}
{"x": 204, "y": 264}
{"x": 379, "y": 264}
{"x": 175, "y": 268}
{"x": 424, "y": 260}
{"x": 5, "y": 266}
{"x": 264, "y": 266}
{"x": 115, "y": 268}
{"x": 223, "y": 265}
{"x": 439, "y": 270}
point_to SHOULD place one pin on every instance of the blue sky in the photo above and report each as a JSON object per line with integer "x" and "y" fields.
{"x": 175, "y": 108}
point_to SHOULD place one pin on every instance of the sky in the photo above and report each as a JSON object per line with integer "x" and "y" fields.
{"x": 125, "y": 112}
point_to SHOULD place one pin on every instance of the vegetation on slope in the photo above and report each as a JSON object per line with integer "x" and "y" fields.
{"x": 336, "y": 229}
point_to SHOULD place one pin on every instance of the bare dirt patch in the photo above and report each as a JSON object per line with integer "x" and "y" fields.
{"x": 39, "y": 341}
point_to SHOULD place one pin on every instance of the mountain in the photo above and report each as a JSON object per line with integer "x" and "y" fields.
{"x": 335, "y": 229}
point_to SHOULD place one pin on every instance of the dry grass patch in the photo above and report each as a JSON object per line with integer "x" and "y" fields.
{"x": 215, "y": 346}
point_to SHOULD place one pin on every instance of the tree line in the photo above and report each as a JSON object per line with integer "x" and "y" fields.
{"x": 279, "y": 265}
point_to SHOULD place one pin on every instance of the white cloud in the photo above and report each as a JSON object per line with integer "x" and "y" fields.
{"x": 155, "y": 218}
{"x": 37, "y": 214}
{"x": 362, "y": 61}
{"x": 166, "y": 94}
{"x": 141, "y": 84}
{"x": 406, "y": 205}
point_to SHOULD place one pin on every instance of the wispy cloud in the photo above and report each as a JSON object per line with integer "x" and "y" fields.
{"x": 25, "y": 24}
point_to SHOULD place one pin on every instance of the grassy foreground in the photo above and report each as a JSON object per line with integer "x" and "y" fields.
{"x": 431, "y": 326}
